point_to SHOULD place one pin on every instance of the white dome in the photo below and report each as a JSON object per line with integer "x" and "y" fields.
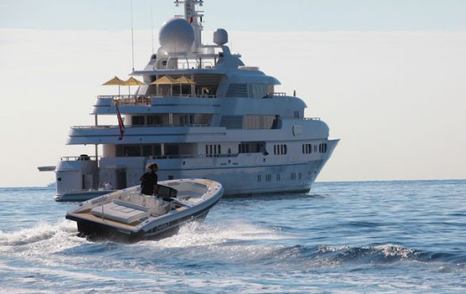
{"x": 220, "y": 37}
{"x": 176, "y": 36}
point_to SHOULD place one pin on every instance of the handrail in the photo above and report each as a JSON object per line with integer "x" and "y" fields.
{"x": 178, "y": 156}
{"x": 141, "y": 126}
{"x": 133, "y": 99}
{"x": 191, "y": 156}
{"x": 82, "y": 157}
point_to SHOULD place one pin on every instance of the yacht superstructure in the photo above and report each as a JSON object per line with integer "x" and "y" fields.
{"x": 200, "y": 112}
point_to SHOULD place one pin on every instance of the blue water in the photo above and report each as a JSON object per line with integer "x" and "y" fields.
{"x": 384, "y": 237}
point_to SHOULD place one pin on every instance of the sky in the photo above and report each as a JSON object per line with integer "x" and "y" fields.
{"x": 387, "y": 76}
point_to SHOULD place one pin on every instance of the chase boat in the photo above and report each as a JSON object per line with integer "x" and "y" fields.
{"x": 127, "y": 215}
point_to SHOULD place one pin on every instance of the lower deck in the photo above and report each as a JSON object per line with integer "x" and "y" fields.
{"x": 257, "y": 172}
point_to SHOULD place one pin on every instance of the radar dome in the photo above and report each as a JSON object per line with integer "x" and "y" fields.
{"x": 220, "y": 37}
{"x": 176, "y": 36}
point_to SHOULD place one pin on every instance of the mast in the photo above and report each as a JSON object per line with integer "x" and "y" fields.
{"x": 194, "y": 17}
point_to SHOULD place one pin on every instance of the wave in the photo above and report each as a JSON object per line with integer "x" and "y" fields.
{"x": 41, "y": 239}
{"x": 229, "y": 242}
{"x": 371, "y": 254}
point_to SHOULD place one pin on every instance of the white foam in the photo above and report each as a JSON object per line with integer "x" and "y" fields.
{"x": 229, "y": 240}
{"x": 390, "y": 250}
{"x": 42, "y": 239}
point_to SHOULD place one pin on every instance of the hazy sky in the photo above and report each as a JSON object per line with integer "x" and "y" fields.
{"x": 387, "y": 76}
{"x": 244, "y": 15}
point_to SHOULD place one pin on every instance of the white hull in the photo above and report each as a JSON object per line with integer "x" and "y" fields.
{"x": 279, "y": 177}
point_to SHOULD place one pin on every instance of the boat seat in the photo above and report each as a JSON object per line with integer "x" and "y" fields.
{"x": 121, "y": 211}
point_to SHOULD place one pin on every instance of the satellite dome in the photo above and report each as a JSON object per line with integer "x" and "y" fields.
{"x": 220, "y": 37}
{"x": 176, "y": 36}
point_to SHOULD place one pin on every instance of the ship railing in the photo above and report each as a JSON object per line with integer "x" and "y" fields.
{"x": 83, "y": 157}
{"x": 208, "y": 96}
{"x": 143, "y": 126}
{"x": 147, "y": 100}
{"x": 192, "y": 156}
{"x": 311, "y": 118}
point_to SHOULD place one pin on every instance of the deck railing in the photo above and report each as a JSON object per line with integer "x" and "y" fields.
{"x": 82, "y": 157}
{"x": 152, "y": 157}
{"x": 142, "y": 126}
{"x": 147, "y": 100}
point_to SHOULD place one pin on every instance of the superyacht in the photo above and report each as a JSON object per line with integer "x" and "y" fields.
{"x": 198, "y": 112}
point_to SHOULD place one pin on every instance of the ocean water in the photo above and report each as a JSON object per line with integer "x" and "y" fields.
{"x": 355, "y": 237}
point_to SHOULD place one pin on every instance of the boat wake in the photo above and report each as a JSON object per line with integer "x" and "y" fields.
{"x": 229, "y": 242}
{"x": 50, "y": 237}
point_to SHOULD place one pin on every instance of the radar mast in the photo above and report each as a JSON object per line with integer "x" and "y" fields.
{"x": 194, "y": 17}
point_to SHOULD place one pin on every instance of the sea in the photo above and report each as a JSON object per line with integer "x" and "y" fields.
{"x": 342, "y": 237}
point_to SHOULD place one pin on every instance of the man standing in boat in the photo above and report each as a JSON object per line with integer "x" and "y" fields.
{"x": 149, "y": 180}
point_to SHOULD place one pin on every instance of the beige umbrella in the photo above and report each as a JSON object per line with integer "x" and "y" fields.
{"x": 116, "y": 81}
{"x": 185, "y": 81}
{"x": 132, "y": 82}
{"x": 165, "y": 80}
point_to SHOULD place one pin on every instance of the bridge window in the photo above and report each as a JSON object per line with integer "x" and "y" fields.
{"x": 237, "y": 90}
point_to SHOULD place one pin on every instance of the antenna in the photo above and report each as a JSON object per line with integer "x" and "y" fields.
{"x": 194, "y": 17}
{"x": 152, "y": 25}
{"x": 132, "y": 34}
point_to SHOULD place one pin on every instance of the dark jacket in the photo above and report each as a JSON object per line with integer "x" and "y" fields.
{"x": 149, "y": 183}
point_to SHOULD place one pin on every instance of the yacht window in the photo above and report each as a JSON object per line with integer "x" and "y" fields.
{"x": 213, "y": 150}
{"x": 252, "y": 147}
{"x": 138, "y": 120}
{"x": 155, "y": 120}
{"x": 172, "y": 149}
{"x": 157, "y": 149}
{"x": 138, "y": 150}
{"x": 307, "y": 148}
{"x": 323, "y": 148}
{"x": 147, "y": 150}
{"x": 258, "y": 90}
{"x": 281, "y": 149}
{"x": 259, "y": 121}
{"x": 232, "y": 121}
{"x": 237, "y": 90}
{"x": 132, "y": 150}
